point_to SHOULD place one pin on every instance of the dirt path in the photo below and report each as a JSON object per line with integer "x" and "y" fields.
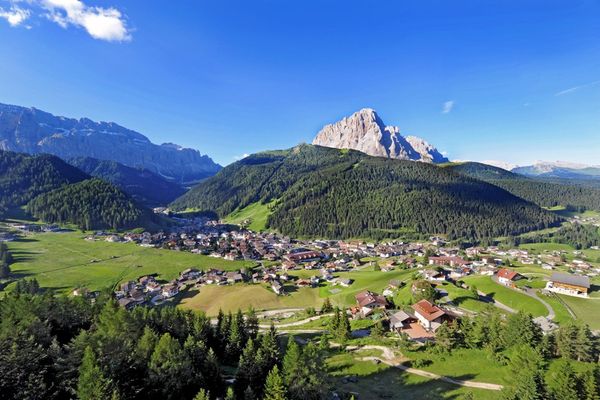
{"x": 388, "y": 357}
{"x": 297, "y": 323}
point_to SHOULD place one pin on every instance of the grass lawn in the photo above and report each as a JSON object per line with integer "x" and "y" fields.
{"x": 375, "y": 281}
{"x": 463, "y": 298}
{"x": 509, "y": 297}
{"x": 63, "y": 261}
{"x": 380, "y": 381}
{"x": 243, "y": 296}
{"x": 541, "y": 247}
{"x": 466, "y": 364}
{"x": 588, "y": 310}
{"x": 562, "y": 315}
{"x": 257, "y": 213}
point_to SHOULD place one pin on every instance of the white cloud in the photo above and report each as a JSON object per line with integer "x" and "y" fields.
{"x": 576, "y": 88}
{"x": 15, "y": 16}
{"x": 103, "y": 23}
{"x": 237, "y": 158}
{"x": 447, "y": 106}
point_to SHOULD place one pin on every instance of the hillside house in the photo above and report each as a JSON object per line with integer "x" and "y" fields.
{"x": 507, "y": 277}
{"x": 569, "y": 284}
{"x": 429, "y": 316}
{"x": 451, "y": 261}
{"x": 368, "y": 302}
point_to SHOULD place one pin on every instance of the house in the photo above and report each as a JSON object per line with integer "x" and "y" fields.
{"x": 428, "y": 315}
{"x": 277, "y": 287}
{"x": 434, "y": 275}
{"x": 369, "y": 301}
{"x": 569, "y": 284}
{"x": 170, "y": 290}
{"x": 127, "y": 303}
{"x": 234, "y": 277}
{"x": 303, "y": 256}
{"x": 345, "y": 282}
{"x": 400, "y": 320}
{"x": 506, "y": 277}
{"x": 452, "y": 261}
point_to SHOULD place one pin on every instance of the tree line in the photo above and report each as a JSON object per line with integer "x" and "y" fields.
{"x": 577, "y": 235}
{"x": 59, "y": 347}
{"x": 561, "y": 365}
{"x": 6, "y": 260}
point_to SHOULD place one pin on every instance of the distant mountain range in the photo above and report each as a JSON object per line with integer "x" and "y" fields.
{"x": 144, "y": 186}
{"x": 365, "y": 131}
{"x": 551, "y": 169}
{"x": 33, "y": 131}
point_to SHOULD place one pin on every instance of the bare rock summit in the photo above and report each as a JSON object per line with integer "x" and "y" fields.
{"x": 365, "y": 131}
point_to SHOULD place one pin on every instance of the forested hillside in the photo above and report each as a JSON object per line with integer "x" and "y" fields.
{"x": 22, "y": 177}
{"x": 544, "y": 193}
{"x": 91, "y": 204}
{"x": 144, "y": 186}
{"x": 342, "y": 194}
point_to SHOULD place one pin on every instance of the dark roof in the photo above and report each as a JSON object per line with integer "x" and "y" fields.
{"x": 570, "y": 279}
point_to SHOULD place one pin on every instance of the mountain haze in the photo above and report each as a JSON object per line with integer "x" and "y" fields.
{"x": 365, "y": 131}
{"x": 33, "y": 131}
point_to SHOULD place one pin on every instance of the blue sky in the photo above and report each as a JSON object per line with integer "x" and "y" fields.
{"x": 514, "y": 81}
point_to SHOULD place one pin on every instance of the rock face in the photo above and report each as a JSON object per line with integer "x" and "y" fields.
{"x": 365, "y": 131}
{"x": 33, "y": 131}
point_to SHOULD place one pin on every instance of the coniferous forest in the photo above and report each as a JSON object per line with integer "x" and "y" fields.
{"x": 66, "y": 347}
{"x": 334, "y": 193}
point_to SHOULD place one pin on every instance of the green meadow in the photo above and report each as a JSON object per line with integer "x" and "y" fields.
{"x": 64, "y": 261}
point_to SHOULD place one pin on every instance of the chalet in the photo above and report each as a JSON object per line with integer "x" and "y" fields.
{"x": 303, "y": 256}
{"x": 127, "y": 303}
{"x": 189, "y": 273}
{"x": 369, "y": 301}
{"x": 569, "y": 284}
{"x": 169, "y": 291}
{"x": 507, "y": 277}
{"x": 345, "y": 282}
{"x": 303, "y": 283}
{"x": 234, "y": 277}
{"x": 433, "y": 275}
{"x": 452, "y": 261}
{"x": 428, "y": 315}
{"x": 277, "y": 287}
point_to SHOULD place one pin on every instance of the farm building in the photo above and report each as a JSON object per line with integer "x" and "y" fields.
{"x": 569, "y": 284}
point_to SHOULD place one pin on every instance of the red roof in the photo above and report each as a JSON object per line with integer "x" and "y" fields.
{"x": 367, "y": 298}
{"x": 428, "y": 310}
{"x": 507, "y": 274}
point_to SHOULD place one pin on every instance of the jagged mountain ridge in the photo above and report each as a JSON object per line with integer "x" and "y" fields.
{"x": 365, "y": 131}
{"x": 33, "y": 131}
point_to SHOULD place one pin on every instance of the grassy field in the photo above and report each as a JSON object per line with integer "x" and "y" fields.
{"x": 588, "y": 310}
{"x": 509, "y": 297}
{"x": 380, "y": 381}
{"x": 257, "y": 213}
{"x": 63, "y": 261}
{"x": 242, "y": 296}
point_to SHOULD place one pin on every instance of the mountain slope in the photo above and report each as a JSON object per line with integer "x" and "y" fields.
{"x": 23, "y": 177}
{"x": 90, "y": 204}
{"x": 365, "y": 131}
{"x": 543, "y": 192}
{"x": 324, "y": 192}
{"x": 33, "y": 131}
{"x": 143, "y": 185}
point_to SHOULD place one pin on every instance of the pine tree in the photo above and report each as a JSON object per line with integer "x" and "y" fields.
{"x": 377, "y": 330}
{"x": 343, "y": 329}
{"x": 251, "y": 324}
{"x": 274, "y": 388}
{"x": 291, "y": 361}
{"x": 326, "y": 307}
{"x": 229, "y": 395}
{"x": 202, "y": 395}
{"x": 4, "y": 270}
{"x": 170, "y": 368}
{"x": 562, "y": 384}
{"x": 270, "y": 348}
{"x": 92, "y": 384}
{"x": 589, "y": 385}
{"x": 527, "y": 375}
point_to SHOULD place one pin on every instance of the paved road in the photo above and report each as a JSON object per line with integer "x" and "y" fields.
{"x": 487, "y": 299}
{"x": 533, "y": 294}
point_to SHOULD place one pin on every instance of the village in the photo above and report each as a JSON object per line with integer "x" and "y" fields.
{"x": 279, "y": 260}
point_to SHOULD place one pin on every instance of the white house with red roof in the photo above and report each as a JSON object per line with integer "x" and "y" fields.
{"x": 507, "y": 277}
{"x": 428, "y": 315}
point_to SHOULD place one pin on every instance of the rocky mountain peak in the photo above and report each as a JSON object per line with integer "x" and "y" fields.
{"x": 365, "y": 131}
